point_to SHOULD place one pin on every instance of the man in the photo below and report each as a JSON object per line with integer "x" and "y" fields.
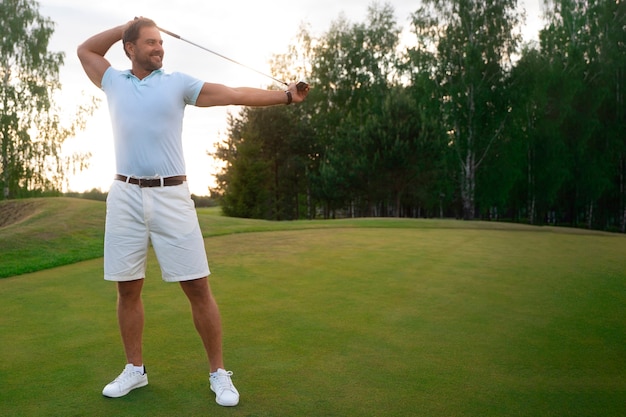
{"x": 149, "y": 199}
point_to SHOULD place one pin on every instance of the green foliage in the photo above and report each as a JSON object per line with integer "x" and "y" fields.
{"x": 461, "y": 123}
{"x": 266, "y": 154}
{"x": 354, "y": 70}
{"x": 574, "y": 155}
{"x": 31, "y": 131}
{"x": 474, "y": 44}
{"x": 360, "y": 115}
{"x": 93, "y": 194}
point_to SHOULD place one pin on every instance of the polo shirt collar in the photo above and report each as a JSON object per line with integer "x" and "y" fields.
{"x": 129, "y": 74}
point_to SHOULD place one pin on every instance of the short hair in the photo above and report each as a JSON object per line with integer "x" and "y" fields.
{"x": 131, "y": 34}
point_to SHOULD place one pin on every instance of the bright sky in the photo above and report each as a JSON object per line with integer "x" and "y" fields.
{"x": 247, "y": 31}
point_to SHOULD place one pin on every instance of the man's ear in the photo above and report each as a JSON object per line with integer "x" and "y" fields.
{"x": 129, "y": 48}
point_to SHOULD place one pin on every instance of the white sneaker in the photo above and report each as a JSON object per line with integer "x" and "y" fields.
{"x": 225, "y": 392}
{"x": 127, "y": 381}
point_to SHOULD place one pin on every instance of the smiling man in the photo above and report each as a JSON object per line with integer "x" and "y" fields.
{"x": 149, "y": 200}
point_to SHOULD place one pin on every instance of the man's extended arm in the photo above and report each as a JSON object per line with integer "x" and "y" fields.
{"x": 221, "y": 95}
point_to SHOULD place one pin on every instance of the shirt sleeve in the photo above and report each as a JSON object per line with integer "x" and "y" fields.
{"x": 193, "y": 86}
{"x": 107, "y": 78}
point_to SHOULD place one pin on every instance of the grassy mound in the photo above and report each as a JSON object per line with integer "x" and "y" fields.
{"x": 16, "y": 211}
{"x": 49, "y": 232}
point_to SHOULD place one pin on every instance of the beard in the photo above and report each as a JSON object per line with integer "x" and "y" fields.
{"x": 150, "y": 62}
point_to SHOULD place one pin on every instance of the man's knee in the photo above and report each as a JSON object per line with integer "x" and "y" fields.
{"x": 130, "y": 290}
{"x": 197, "y": 289}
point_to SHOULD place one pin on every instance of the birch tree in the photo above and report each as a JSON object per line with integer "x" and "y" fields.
{"x": 474, "y": 41}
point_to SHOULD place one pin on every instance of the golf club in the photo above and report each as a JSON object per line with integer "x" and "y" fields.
{"x": 300, "y": 86}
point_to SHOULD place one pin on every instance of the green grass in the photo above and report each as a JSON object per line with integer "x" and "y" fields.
{"x": 370, "y": 317}
{"x": 43, "y": 233}
{"x": 51, "y": 232}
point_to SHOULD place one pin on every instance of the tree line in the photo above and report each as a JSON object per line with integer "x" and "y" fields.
{"x": 468, "y": 121}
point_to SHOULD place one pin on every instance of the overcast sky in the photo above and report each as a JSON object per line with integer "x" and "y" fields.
{"x": 247, "y": 31}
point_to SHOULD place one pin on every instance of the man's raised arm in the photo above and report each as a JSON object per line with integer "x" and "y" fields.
{"x": 91, "y": 53}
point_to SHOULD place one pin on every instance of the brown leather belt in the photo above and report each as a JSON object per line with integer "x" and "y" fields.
{"x": 153, "y": 182}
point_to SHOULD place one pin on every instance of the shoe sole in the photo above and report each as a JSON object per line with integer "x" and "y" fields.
{"x": 121, "y": 394}
{"x": 222, "y": 403}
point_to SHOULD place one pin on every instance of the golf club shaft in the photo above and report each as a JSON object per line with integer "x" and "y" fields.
{"x": 174, "y": 35}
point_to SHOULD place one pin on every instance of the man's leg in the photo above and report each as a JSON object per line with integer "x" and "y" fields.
{"x": 206, "y": 318}
{"x": 130, "y": 316}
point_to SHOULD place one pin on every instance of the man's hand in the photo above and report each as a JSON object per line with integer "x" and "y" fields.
{"x": 298, "y": 91}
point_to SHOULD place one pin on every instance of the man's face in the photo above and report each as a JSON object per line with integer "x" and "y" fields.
{"x": 147, "y": 53}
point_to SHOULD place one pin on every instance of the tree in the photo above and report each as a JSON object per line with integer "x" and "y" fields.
{"x": 437, "y": 185}
{"x": 264, "y": 165}
{"x": 610, "y": 41}
{"x": 31, "y": 131}
{"x": 474, "y": 41}
{"x": 356, "y": 69}
{"x": 366, "y": 144}
{"x": 536, "y": 121}
{"x": 242, "y": 182}
{"x": 453, "y": 126}
{"x": 302, "y": 145}
{"x": 584, "y": 46}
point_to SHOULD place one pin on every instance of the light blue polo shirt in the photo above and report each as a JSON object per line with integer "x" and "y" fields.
{"x": 147, "y": 119}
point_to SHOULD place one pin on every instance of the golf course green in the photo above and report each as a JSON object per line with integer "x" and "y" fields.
{"x": 354, "y": 317}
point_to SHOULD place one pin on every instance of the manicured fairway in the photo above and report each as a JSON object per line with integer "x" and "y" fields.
{"x": 374, "y": 319}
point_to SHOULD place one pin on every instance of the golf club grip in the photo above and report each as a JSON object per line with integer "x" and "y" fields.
{"x": 301, "y": 86}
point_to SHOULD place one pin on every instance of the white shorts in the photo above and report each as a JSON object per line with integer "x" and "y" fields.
{"x": 164, "y": 216}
